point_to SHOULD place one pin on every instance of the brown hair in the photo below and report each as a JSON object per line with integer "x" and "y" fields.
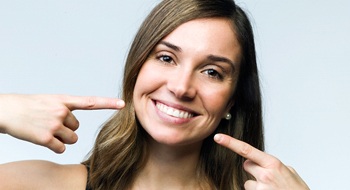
{"x": 120, "y": 147}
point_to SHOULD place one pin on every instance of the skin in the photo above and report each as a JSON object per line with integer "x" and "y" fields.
{"x": 46, "y": 120}
{"x": 187, "y": 71}
{"x": 183, "y": 74}
{"x": 186, "y": 78}
{"x": 38, "y": 174}
{"x": 269, "y": 172}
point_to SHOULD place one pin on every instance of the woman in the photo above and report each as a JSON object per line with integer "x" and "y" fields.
{"x": 190, "y": 76}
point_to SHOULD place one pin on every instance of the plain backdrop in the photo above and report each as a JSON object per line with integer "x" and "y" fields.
{"x": 78, "y": 47}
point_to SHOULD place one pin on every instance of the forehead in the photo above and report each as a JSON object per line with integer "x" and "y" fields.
{"x": 207, "y": 36}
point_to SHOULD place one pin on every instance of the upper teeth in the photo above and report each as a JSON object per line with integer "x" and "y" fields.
{"x": 173, "y": 112}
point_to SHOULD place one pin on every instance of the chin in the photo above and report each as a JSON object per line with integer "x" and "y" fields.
{"x": 174, "y": 140}
{"x": 167, "y": 139}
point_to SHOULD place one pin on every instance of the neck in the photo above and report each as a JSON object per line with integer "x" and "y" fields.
{"x": 169, "y": 167}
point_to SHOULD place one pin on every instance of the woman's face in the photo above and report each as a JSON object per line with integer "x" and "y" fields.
{"x": 185, "y": 87}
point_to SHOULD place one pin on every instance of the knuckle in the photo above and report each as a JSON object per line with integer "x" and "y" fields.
{"x": 274, "y": 163}
{"x": 246, "y": 149}
{"x": 55, "y": 126}
{"x": 62, "y": 112}
{"x": 246, "y": 163}
{"x": 278, "y": 164}
{"x": 90, "y": 102}
{"x": 292, "y": 169}
{"x": 46, "y": 139}
{"x": 267, "y": 176}
{"x": 62, "y": 97}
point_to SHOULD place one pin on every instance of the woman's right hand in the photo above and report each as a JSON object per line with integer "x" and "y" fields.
{"x": 268, "y": 171}
{"x": 47, "y": 120}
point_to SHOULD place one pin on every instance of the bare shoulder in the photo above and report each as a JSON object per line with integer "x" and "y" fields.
{"x": 42, "y": 175}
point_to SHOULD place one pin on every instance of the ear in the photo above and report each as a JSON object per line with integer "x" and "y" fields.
{"x": 230, "y": 104}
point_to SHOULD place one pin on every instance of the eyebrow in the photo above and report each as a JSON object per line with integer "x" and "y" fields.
{"x": 214, "y": 58}
{"x": 171, "y": 46}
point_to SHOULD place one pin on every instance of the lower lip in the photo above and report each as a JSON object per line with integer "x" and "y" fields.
{"x": 170, "y": 119}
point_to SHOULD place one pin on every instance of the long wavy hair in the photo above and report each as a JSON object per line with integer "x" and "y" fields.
{"x": 120, "y": 148}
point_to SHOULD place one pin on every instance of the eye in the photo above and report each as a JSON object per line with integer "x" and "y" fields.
{"x": 212, "y": 73}
{"x": 166, "y": 59}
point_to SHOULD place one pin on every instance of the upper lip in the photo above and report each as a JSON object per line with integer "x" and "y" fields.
{"x": 177, "y": 106}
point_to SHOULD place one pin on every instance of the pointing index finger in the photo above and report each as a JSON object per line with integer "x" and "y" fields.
{"x": 92, "y": 103}
{"x": 244, "y": 149}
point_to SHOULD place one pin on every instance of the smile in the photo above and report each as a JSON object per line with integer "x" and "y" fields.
{"x": 173, "y": 112}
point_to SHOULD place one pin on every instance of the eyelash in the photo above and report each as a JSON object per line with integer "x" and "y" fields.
{"x": 162, "y": 58}
{"x": 212, "y": 73}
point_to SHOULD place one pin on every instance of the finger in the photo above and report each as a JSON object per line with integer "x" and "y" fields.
{"x": 244, "y": 149}
{"x": 71, "y": 122}
{"x": 66, "y": 136}
{"x": 56, "y": 146}
{"x": 250, "y": 185}
{"x": 92, "y": 103}
{"x": 292, "y": 169}
{"x": 252, "y": 168}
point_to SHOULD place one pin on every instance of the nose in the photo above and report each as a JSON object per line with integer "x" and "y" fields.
{"x": 182, "y": 84}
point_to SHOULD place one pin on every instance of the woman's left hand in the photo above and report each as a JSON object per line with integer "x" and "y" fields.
{"x": 269, "y": 172}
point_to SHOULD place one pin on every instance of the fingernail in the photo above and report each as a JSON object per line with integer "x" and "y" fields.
{"x": 217, "y": 137}
{"x": 120, "y": 103}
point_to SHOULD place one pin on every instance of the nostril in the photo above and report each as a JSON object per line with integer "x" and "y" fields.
{"x": 182, "y": 88}
{"x": 184, "y": 93}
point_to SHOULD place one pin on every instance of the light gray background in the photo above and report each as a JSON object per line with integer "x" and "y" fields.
{"x": 79, "y": 47}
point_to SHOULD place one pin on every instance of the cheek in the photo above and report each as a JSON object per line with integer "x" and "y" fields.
{"x": 142, "y": 86}
{"x": 146, "y": 80}
{"x": 217, "y": 103}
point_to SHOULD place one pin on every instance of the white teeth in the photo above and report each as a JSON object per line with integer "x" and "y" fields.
{"x": 173, "y": 112}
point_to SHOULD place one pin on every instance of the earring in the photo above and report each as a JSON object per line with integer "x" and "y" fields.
{"x": 228, "y": 116}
